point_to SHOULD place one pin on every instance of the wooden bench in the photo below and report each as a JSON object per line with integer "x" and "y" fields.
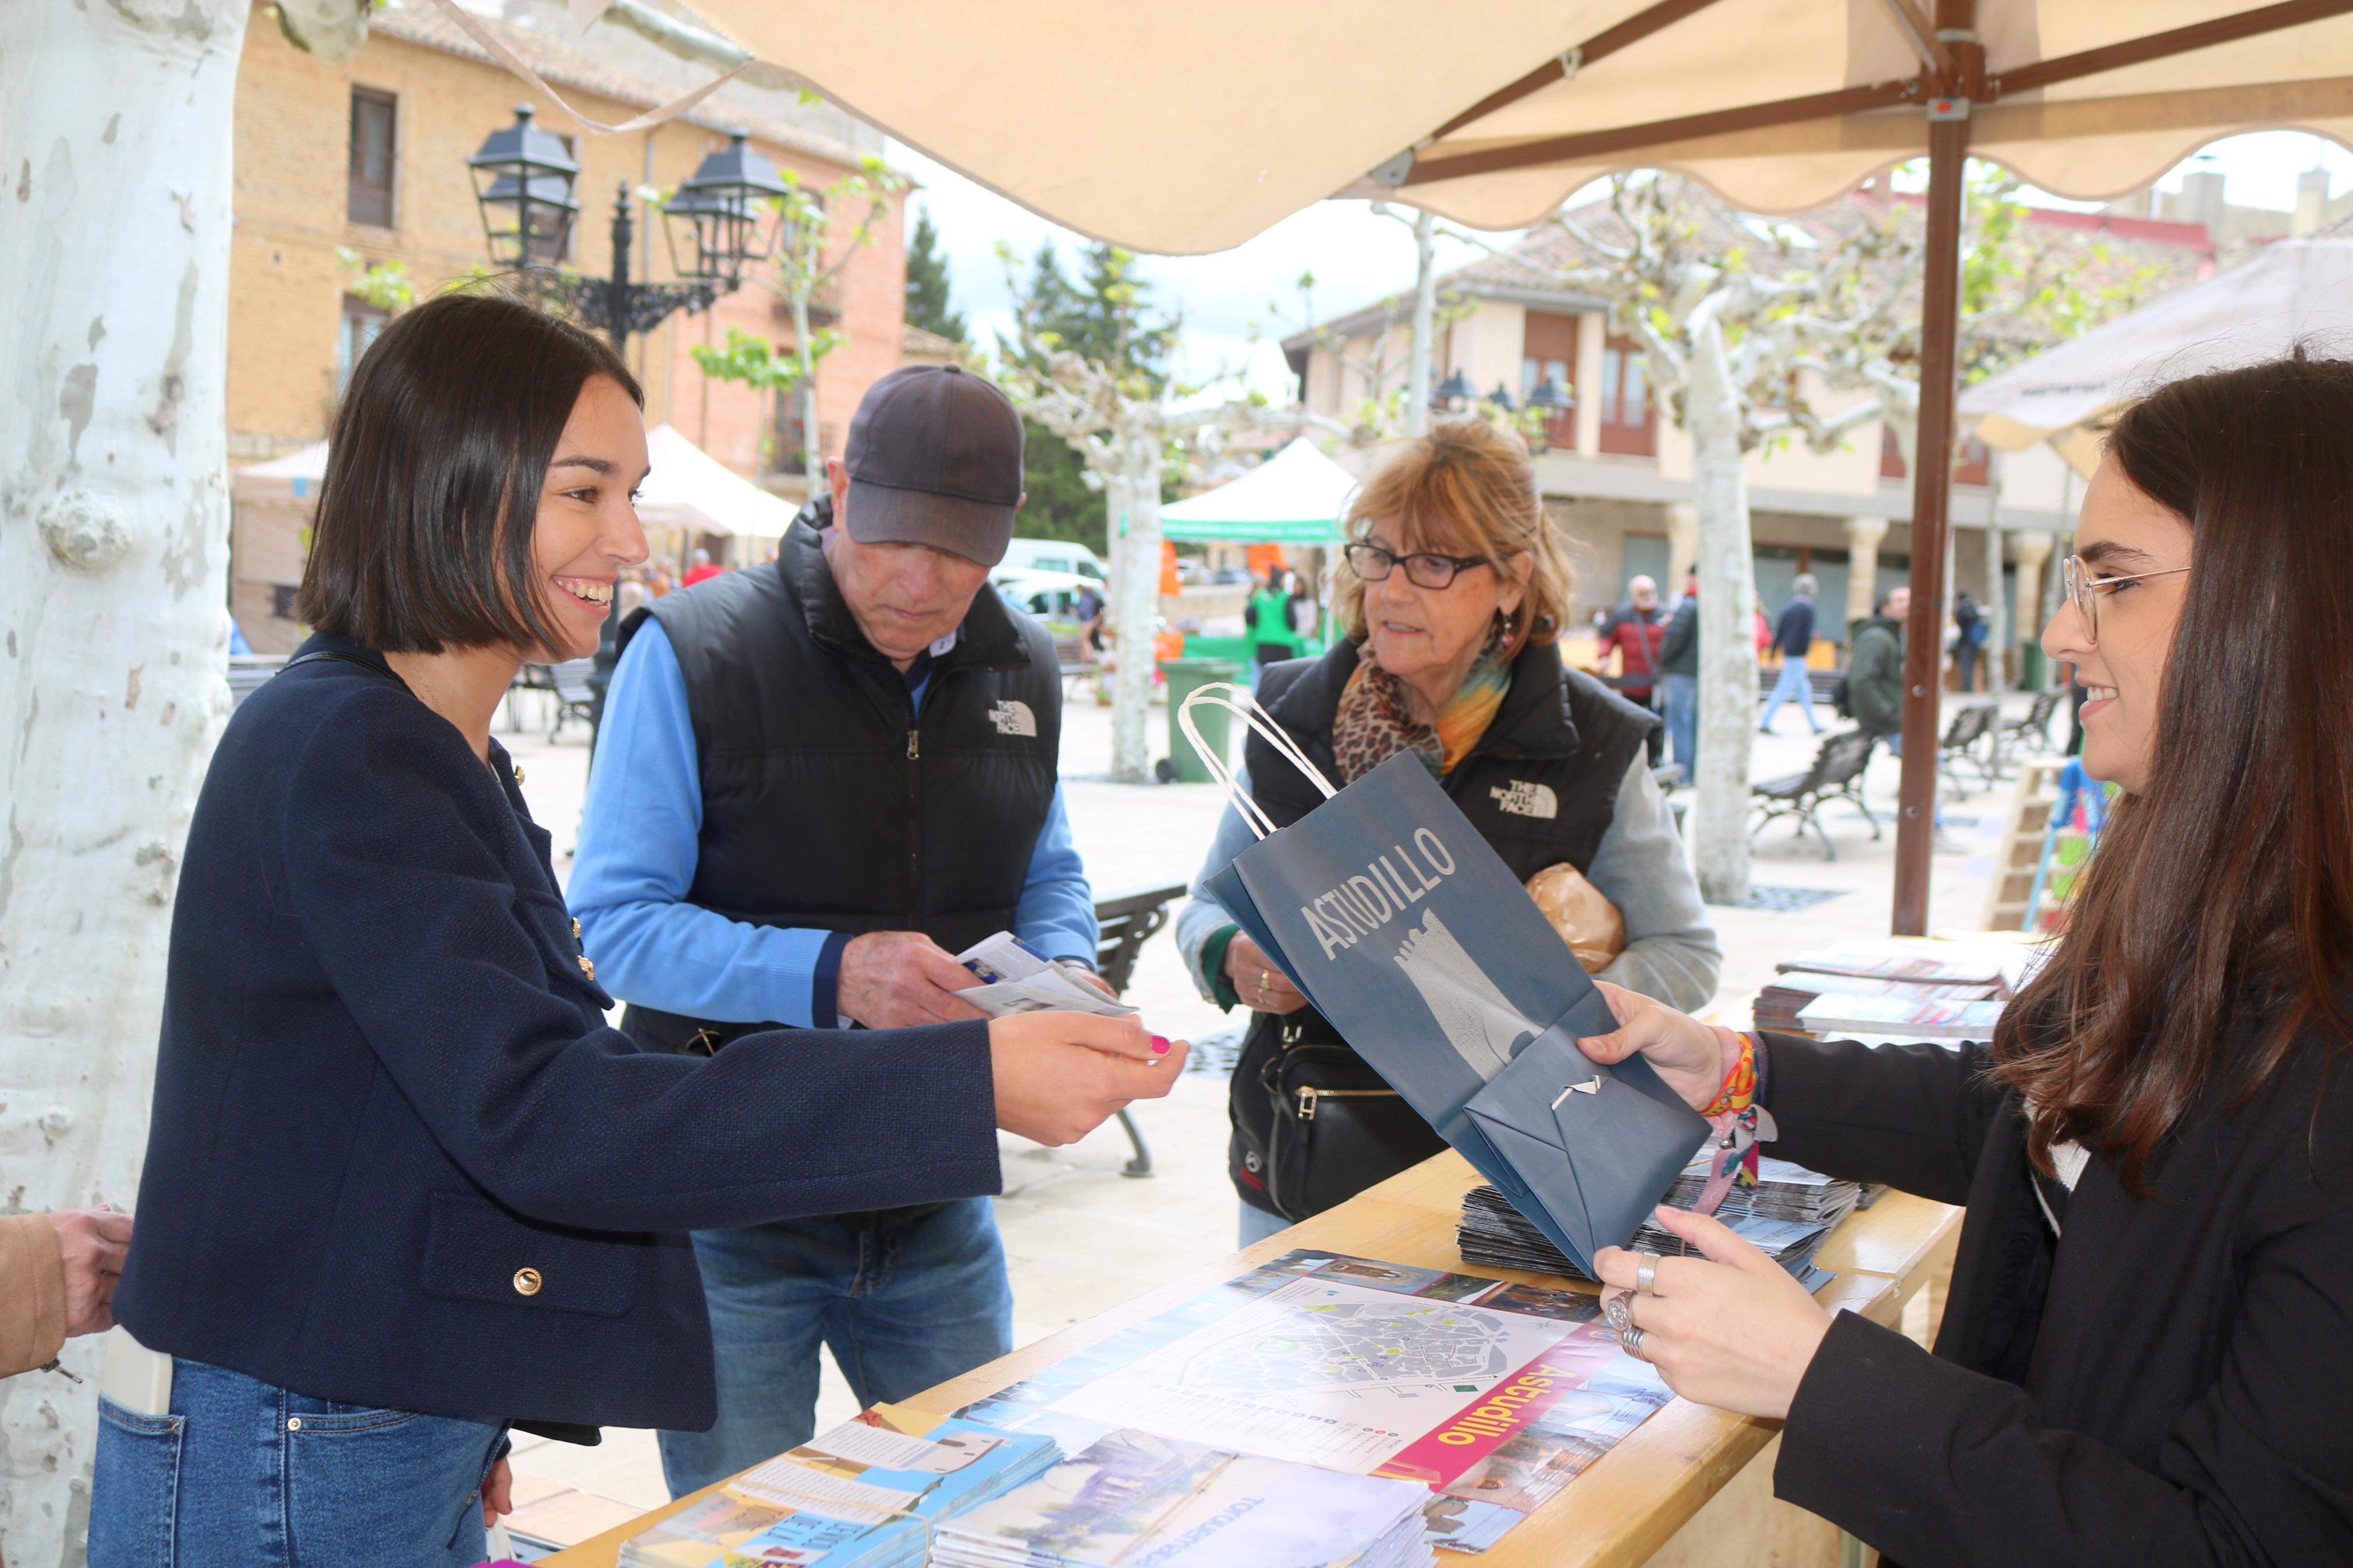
{"x": 1836, "y": 774}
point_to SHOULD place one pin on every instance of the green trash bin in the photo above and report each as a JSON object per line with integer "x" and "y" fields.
{"x": 1185, "y": 676}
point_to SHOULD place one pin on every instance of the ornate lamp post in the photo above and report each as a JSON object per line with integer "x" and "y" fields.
{"x": 1556, "y": 400}
{"x": 524, "y": 179}
{"x": 1455, "y": 393}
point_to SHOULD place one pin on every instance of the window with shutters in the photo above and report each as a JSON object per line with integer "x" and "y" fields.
{"x": 1548, "y": 353}
{"x": 370, "y": 199}
{"x": 1629, "y": 422}
{"x": 361, "y": 324}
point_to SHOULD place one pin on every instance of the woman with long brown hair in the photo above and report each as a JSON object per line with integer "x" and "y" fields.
{"x": 2149, "y": 1335}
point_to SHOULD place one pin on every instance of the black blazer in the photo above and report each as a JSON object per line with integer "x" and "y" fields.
{"x": 398, "y": 1158}
{"x": 2176, "y": 1394}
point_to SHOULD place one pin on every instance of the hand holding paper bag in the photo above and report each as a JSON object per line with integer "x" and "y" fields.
{"x": 1390, "y": 913}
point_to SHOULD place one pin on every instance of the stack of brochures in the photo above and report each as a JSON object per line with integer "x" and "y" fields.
{"x": 1133, "y": 1497}
{"x": 1778, "y": 1005}
{"x": 1019, "y": 979}
{"x": 856, "y": 1497}
{"x": 1787, "y": 1215}
{"x": 1907, "y": 988}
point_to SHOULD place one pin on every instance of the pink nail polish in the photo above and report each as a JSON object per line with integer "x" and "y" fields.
{"x": 1159, "y": 1045}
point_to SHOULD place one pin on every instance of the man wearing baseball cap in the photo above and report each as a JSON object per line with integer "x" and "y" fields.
{"x": 818, "y": 781}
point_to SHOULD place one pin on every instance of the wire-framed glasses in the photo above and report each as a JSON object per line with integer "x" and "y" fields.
{"x": 1422, "y": 568}
{"x": 2087, "y": 589}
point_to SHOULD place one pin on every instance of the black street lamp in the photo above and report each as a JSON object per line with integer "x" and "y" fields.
{"x": 1551, "y": 396}
{"x": 523, "y": 180}
{"x": 1501, "y": 398}
{"x": 1455, "y": 393}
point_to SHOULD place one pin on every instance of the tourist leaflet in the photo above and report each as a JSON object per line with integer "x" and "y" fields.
{"x": 1018, "y": 978}
{"x": 858, "y": 1496}
{"x": 1489, "y": 1395}
{"x": 1132, "y": 1497}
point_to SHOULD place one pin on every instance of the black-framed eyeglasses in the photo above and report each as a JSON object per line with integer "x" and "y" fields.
{"x": 2087, "y": 589}
{"x": 1422, "y": 568}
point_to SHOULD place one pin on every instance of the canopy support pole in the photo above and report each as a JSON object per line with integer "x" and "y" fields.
{"x": 1932, "y": 470}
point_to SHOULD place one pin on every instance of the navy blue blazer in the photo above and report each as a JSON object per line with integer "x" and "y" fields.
{"x": 397, "y": 1159}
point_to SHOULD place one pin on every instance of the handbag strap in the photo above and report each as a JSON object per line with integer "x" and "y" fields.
{"x": 1237, "y": 701}
{"x": 317, "y": 654}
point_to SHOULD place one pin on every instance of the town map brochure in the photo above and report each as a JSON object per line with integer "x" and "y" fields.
{"x": 1494, "y": 1396}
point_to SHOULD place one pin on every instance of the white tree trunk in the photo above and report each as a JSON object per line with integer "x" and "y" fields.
{"x": 1727, "y": 641}
{"x": 1425, "y": 325}
{"x": 113, "y": 581}
{"x": 1134, "y": 503}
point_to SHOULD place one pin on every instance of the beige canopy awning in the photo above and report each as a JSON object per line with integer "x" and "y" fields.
{"x": 1190, "y": 128}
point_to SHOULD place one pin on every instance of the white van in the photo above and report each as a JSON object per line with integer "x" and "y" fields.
{"x": 1052, "y": 556}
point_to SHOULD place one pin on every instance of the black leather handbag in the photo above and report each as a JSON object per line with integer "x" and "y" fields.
{"x": 1314, "y": 1123}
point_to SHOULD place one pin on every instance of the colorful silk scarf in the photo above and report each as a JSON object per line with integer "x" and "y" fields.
{"x": 1375, "y": 721}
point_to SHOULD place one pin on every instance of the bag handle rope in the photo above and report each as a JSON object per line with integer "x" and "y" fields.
{"x": 1237, "y": 701}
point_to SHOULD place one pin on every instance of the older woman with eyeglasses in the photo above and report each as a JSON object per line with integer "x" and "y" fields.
{"x": 1450, "y": 593}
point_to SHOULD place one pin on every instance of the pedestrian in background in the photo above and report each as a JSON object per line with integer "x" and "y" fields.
{"x": 1875, "y": 674}
{"x": 1633, "y": 632}
{"x": 702, "y": 570}
{"x": 1679, "y": 681}
{"x": 1794, "y": 638}
{"x": 1970, "y": 629}
{"x": 1267, "y": 618}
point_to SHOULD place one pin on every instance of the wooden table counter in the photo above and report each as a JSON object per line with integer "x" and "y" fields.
{"x": 1642, "y": 1501}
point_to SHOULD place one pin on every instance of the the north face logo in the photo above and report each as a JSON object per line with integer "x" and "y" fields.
{"x": 1525, "y": 799}
{"x": 1013, "y": 717}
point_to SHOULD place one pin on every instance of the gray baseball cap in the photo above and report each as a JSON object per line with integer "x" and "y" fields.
{"x": 934, "y": 457}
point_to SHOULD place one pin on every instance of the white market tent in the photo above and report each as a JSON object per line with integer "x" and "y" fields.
{"x": 291, "y": 478}
{"x": 1296, "y": 496}
{"x": 692, "y": 493}
{"x": 2296, "y": 291}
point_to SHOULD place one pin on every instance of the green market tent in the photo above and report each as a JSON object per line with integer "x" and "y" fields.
{"x": 1296, "y": 496}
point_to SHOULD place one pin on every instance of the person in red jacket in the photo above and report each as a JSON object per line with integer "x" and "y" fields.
{"x": 1634, "y": 631}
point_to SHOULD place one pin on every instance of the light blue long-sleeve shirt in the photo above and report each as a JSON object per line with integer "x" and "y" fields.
{"x": 639, "y": 836}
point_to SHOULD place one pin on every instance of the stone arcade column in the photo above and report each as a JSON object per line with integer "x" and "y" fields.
{"x": 2030, "y": 548}
{"x": 1863, "y": 537}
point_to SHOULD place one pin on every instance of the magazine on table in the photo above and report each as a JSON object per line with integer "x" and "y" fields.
{"x": 1133, "y": 1497}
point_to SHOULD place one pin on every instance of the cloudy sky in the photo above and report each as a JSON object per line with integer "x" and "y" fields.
{"x": 1251, "y": 291}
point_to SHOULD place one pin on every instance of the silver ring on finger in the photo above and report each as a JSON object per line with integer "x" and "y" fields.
{"x": 1646, "y": 1272}
{"x": 1631, "y": 1340}
{"x": 1620, "y": 1315}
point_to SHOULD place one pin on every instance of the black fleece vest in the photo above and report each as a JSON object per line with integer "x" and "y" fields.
{"x": 828, "y": 801}
{"x": 1541, "y": 786}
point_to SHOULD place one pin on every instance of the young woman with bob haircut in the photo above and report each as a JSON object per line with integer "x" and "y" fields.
{"x": 2149, "y": 1341}
{"x": 405, "y": 1190}
{"x": 1451, "y": 591}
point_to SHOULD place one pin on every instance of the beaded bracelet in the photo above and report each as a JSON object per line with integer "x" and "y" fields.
{"x": 1739, "y": 1091}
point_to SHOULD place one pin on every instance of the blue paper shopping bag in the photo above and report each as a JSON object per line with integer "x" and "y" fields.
{"x": 1386, "y": 907}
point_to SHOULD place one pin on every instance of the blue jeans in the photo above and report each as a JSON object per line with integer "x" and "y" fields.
{"x": 1792, "y": 686}
{"x": 902, "y": 1309}
{"x": 242, "y": 1474}
{"x": 1682, "y": 721}
{"x": 1257, "y": 1225}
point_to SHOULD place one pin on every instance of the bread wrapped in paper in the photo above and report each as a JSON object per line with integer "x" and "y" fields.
{"x": 1586, "y": 921}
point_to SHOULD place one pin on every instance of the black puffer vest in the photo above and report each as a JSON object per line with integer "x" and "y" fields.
{"x": 1314, "y": 1124}
{"x": 826, "y": 801}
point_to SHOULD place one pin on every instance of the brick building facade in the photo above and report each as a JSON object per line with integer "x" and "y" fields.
{"x": 340, "y": 167}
